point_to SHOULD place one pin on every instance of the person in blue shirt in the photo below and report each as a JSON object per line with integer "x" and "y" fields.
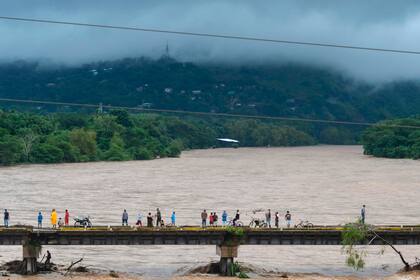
{"x": 173, "y": 218}
{"x": 6, "y": 218}
{"x": 40, "y": 218}
{"x": 224, "y": 217}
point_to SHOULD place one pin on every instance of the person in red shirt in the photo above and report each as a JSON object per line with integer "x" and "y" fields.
{"x": 66, "y": 218}
{"x": 211, "y": 219}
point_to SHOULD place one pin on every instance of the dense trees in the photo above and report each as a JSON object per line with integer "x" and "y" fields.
{"x": 282, "y": 90}
{"x": 117, "y": 135}
{"x": 386, "y": 140}
{"x": 286, "y": 90}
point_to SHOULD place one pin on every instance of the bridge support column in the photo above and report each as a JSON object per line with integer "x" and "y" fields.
{"x": 30, "y": 256}
{"x": 227, "y": 255}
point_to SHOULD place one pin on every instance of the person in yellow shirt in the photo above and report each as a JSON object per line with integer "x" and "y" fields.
{"x": 54, "y": 218}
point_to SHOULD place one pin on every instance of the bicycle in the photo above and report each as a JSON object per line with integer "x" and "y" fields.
{"x": 237, "y": 223}
{"x": 304, "y": 224}
{"x": 258, "y": 223}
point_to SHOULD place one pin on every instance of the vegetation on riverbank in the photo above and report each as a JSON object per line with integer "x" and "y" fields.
{"x": 355, "y": 239}
{"x": 386, "y": 140}
{"x": 118, "y": 135}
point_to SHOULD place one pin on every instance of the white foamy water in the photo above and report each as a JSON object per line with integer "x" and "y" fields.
{"x": 324, "y": 184}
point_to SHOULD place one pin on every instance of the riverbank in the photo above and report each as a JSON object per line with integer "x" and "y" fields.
{"x": 96, "y": 276}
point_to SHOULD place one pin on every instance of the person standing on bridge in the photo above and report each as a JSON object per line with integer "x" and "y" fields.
{"x": 6, "y": 218}
{"x": 173, "y": 218}
{"x": 363, "y": 214}
{"x": 139, "y": 218}
{"x": 211, "y": 219}
{"x": 66, "y": 218}
{"x": 158, "y": 218}
{"x": 149, "y": 220}
{"x": 40, "y": 218}
{"x": 60, "y": 223}
{"x": 125, "y": 218}
{"x": 268, "y": 217}
{"x": 204, "y": 218}
{"x": 288, "y": 218}
{"x": 276, "y": 220}
{"x": 54, "y": 218}
{"x": 224, "y": 217}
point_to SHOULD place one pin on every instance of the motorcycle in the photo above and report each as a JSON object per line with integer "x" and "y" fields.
{"x": 82, "y": 222}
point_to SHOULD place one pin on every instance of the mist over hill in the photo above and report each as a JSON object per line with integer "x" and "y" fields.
{"x": 291, "y": 90}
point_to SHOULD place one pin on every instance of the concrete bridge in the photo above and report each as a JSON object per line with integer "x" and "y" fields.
{"x": 226, "y": 240}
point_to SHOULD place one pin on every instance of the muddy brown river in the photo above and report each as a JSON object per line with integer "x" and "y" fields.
{"x": 322, "y": 184}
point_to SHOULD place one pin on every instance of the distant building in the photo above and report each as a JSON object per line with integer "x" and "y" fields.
{"x": 146, "y": 105}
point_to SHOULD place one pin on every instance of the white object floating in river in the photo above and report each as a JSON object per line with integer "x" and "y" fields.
{"x": 228, "y": 140}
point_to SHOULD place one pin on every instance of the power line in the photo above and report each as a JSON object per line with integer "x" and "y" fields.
{"x": 198, "y": 113}
{"x": 211, "y": 35}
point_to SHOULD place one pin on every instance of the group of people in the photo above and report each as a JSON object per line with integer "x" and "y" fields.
{"x": 53, "y": 218}
{"x": 54, "y": 222}
{"x": 213, "y": 218}
{"x": 150, "y": 219}
{"x": 287, "y": 218}
{"x": 158, "y": 221}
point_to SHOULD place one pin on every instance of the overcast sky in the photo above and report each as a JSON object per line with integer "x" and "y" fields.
{"x": 371, "y": 23}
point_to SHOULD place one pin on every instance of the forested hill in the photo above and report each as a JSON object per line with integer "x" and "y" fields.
{"x": 289, "y": 90}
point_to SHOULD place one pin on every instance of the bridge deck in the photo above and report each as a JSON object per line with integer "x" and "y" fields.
{"x": 331, "y": 235}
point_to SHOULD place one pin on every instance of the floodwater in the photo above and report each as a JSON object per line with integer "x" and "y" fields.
{"x": 322, "y": 184}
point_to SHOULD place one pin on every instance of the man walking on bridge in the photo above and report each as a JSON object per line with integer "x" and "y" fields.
{"x": 204, "y": 218}
{"x": 363, "y": 214}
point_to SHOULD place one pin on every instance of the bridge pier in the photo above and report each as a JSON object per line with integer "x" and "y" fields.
{"x": 227, "y": 255}
{"x": 30, "y": 257}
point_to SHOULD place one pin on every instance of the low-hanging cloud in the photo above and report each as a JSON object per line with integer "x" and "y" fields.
{"x": 374, "y": 23}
